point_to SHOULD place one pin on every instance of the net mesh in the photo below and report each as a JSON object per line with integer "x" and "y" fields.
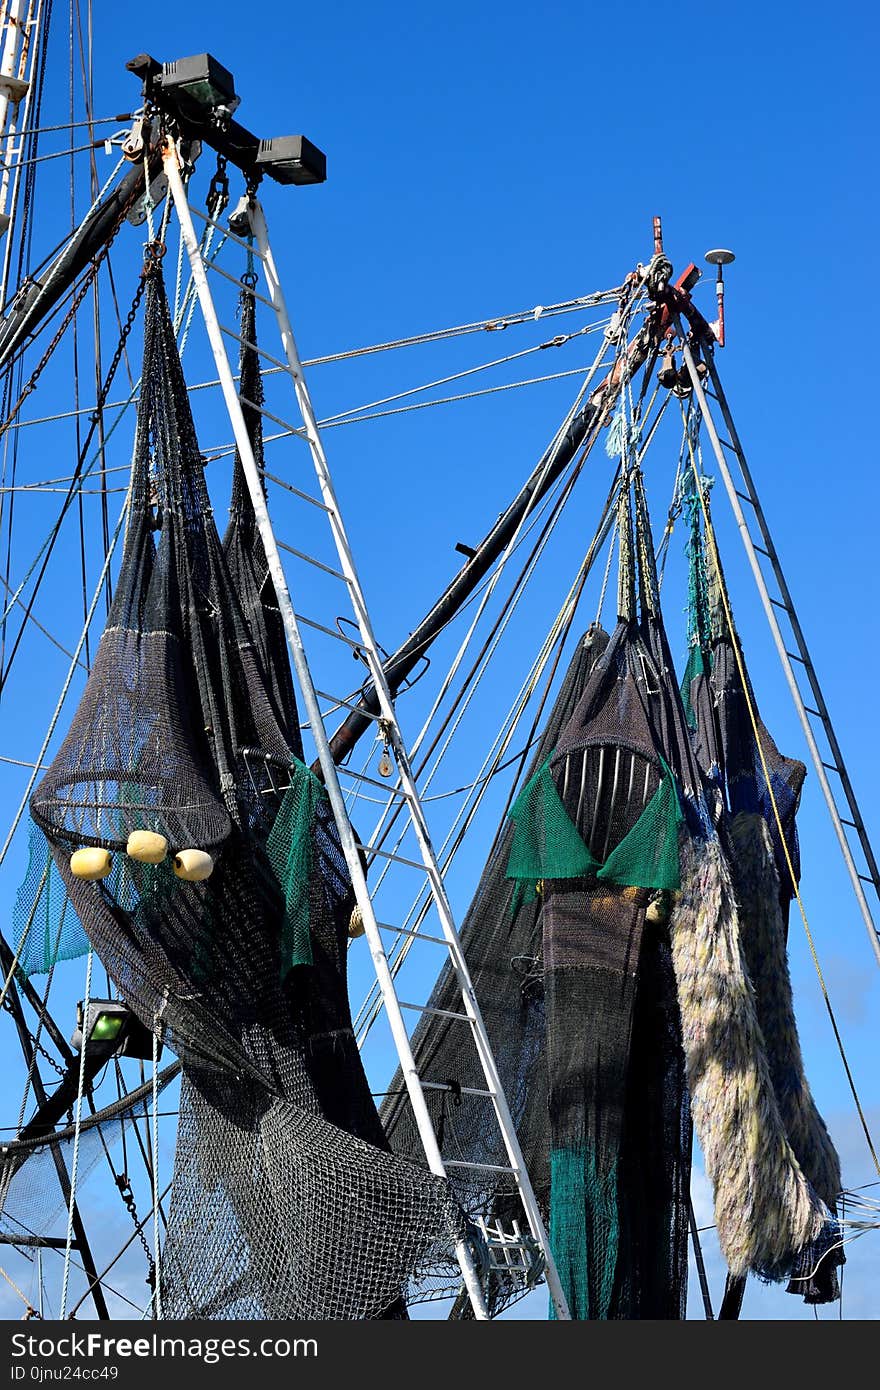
{"x": 504, "y": 952}
{"x": 32, "y": 1200}
{"x": 44, "y": 924}
{"x": 756, "y": 791}
{"x": 285, "y": 1201}
{"x": 619, "y": 1126}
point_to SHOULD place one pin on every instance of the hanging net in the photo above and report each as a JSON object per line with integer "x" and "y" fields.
{"x": 757, "y": 791}
{"x": 45, "y": 927}
{"x": 285, "y": 1200}
{"x": 503, "y": 948}
{"x": 619, "y": 1128}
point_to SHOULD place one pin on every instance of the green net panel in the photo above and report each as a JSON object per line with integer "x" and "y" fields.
{"x": 289, "y": 849}
{"x": 547, "y": 845}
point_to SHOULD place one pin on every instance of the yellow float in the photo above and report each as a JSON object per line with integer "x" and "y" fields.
{"x": 147, "y": 847}
{"x": 193, "y": 865}
{"x": 91, "y": 864}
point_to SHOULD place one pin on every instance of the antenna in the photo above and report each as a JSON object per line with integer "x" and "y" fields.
{"x": 721, "y": 258}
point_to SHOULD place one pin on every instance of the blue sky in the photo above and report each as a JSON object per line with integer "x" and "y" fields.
{"x": 487, "y": 158}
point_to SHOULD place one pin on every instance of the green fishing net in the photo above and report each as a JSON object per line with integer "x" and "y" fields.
{"x": 289, "y": 848}
{"x": 547, "y": 845}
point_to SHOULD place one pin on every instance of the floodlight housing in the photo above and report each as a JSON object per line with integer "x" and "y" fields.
{"x": 292, "y": 159}
{"x": 201, "y": 86}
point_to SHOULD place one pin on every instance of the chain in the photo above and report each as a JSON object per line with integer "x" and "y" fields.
{"x": 37, "y": 1046}
{"x": 123, "y": 1182}
{"x": 218, "y": 190}
{"x": 69, "y": 316}
{"x": 47, "y": 1056}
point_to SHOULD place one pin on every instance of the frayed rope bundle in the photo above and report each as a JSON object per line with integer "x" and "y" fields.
{"x": 766, "y": 1210}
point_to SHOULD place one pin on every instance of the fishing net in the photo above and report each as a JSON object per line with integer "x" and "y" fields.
{"x": 502, "y": 945}
{"x": 32, "y": 1200}
{"x": 45, "y": 927}
{"x": 756, "y": 793}
{"x": 578, "y": 995}
{"x": 285, "y": 1200}
{"x": 619, "y": 1127}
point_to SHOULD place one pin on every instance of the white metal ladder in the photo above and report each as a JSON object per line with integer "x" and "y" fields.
{"x": 536, "y": 1245}
{"x": 726, "y": 446}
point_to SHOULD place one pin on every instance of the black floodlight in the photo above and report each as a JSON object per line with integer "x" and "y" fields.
{"x": 201, "y": 86}
{"x": 109, "y": 1027}
{"x": 292, "y": 159}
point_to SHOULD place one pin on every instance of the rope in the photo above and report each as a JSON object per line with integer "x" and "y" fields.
{"x": 74, "y": 1165}
{"x": 740, "y": 666}
{"x": 566, "y": 306}
{"x": 605, "y": 578}
{"x": 31, "y": 1310}
{"x": 393, "y": 811}
{"x": 157, "y": 1289}
{"x": 559, "y": 341}
{"x": 559, "y": 630}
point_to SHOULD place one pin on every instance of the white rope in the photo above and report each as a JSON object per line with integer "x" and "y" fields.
{"x": 605, "y": 577}
{"x": 148, "y": 197}
{"x": 508, "y": 551}
{"x": 76, "y": 1132}
{"x": 157, "y": 1254}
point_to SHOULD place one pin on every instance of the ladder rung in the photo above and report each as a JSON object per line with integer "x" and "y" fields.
{"x": 395, "y": 858}
{"x": 328, "y": 632}
{"x": 276, "y": 419}
{"x": 844, "y": 821}
{"x": 462, "y": 1091}
{"x": 726, "y": 445}
{"x": 260, "y": 351}
{"x": 832, "y": 767}
{"x": 480, "y": 1167}
{"x": 288, "y": 487}
{"x": 744, "y": 497}
{"x": 777, "y": 603}
{"x": 866, "y": 878}
{"x": 809, "y": 710}
{"x": 346, "y": 704}
{"x": 794, "y": 657}
{"x": 218, "y": 270}
{"x": 310, "y": 560}
{"x": 761, "y": 551}
{"x": 373, "y": 782}
{"x": 436, "y": 1013}
{"x": 417, "y": 935}
{"x": 227, "y": 233}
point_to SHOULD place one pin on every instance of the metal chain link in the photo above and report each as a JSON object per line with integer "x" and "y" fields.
{"x": 68, "y": 318}
{"x": 7, "y": 1004}
{"x": 123, "y": 1182}
{"x": 218, "y": 190}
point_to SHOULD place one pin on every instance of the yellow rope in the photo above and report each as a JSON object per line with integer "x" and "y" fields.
{"x": 740, "y": 665}
{"x": 12, "y": 1284}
